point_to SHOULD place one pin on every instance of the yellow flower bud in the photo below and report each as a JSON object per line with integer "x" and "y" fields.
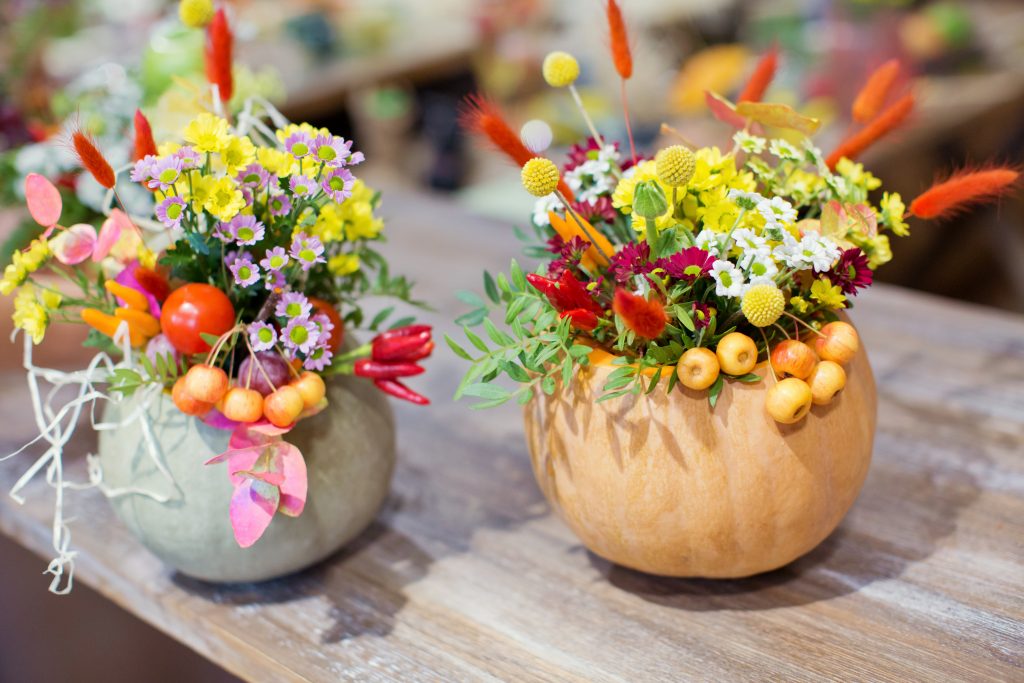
{"x": 763, "y": 305}
{"x": 195, "y": 13}
{"x": 560, "y": 69}
{"x": 540, "y": 176}
{"x": 674, "y": 165}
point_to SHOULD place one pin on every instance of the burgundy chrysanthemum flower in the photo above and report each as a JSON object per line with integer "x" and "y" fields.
{"x": 851, "y": 272}
{"x": 701, "y": 314}
{"x": 599, "y": 210}
{"x": 689, "y": 264}
{"x": 578, "y": 154}
{"x": 632, "y": 259}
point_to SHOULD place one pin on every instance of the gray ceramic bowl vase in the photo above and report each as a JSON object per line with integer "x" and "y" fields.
{"x": 349, "y": 450}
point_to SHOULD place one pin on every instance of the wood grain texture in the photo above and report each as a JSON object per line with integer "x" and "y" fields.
{"x": 467, "y": 575}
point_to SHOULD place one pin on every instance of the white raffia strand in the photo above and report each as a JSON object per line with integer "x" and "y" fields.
{"x": 57, "y": 426}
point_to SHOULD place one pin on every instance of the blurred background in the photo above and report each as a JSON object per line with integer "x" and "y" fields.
{"x": 391, "y": 74}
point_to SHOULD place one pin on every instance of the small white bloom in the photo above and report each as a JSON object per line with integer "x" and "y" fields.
{"x": 825, "y": 253}
{"x": 784, "y": 150}
{"x": 708, "y": 240}
{"x": 541, "y": 208}
{"x": 761, "y": 266}
{"x": 777, "y": 211}
{"x": 728, "y": 279}
{"x": 751, "y": 144}
{"x": 745, "y": 200}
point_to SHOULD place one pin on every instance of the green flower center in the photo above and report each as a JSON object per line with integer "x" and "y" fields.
{"x": 168, "y": 175}
{"x": 265, "y": 335}
{"x": 758, "y": 269}
{"x": 326, "y": 154}
{"x": 300, "y": 149}
{"x": 276, "y": 262}
{"x": 725, "y": 278}
{"x": 244, "y": 273}
{"x": 251, "y": 178}
{"x": 299, "y": 335}
{"x": 246, "y": 234}
{"x": 293, "y": 310}
{"x": 301, "y": 189}
{"x": 307, "y": 255}
{"x": 174, "y": 210}
{"x": 337, "y": 184}
{"x": 691, "y": 270}
{"x": 276, "y": 204}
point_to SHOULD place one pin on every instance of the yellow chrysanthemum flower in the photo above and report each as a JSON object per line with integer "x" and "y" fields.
{"x": 799, "y": 304}
{"x": 560, "y": 69}
{"x": 330, "y": 224}
{"x": 343, "y": 264}
{"x": 892, "y": 210}
{"x": 195, "y": 13}
{"x": 361, "y": 223}
{"x": 763, "y": 305}
{"x": 292, "y": 128}
{"x": 31, "y": 311}
{"x": 225, "y": 200}
{"x": 855, "y": 174}
{"x": 207, "y": 133}
{"x": 827, "y": 294}
{"x": 166, "y": 149}
{"x": 540, "y": 176}
{"x": 276, "y": 161}
{"x": 237, "y": 153}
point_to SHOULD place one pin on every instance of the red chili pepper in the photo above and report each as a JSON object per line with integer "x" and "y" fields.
{"x": 401, "y": 349}
{"x": 566, "y": 293}
{"x": 399, "y": 390}
{"x": 407, "y": 331}
{"x": 581, "y": 318}
{"x": 366, "y": 367}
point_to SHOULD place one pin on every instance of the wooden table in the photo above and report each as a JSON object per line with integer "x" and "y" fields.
{"x": 468, "y": 576}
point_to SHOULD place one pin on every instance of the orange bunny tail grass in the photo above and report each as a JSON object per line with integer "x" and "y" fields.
{"x": 762, "y": 77}
{"x": 92, "y": 160}
{"x": 962, "y": 190}
{"x": 621, "y": 55}
{"x": 646, "y": 318}
{"x": 482, "y": 117}
{"x": 891, "y": 118}
{"x": 219, "y": 46}
{"x": 872, "y": 96}
{"x": 145, "y": 145}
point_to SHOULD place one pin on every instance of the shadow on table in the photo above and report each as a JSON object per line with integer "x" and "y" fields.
{"x": 363, "y": 590}
{"x": 845, "y": 562}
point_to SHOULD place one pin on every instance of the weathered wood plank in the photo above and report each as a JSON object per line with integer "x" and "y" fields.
{"x": 467, "y": 576}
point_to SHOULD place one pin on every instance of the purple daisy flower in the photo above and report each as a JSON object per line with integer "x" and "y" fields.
{"x": 331, "y": 150}
{"x": 338, "y": 184}
{"x": 308, "y": 251}
{"x": 355, "y": 158}
{"x": 293, "y": 305}
{"x": 164, "y": 173}
{"x": 273, "y": 279}
{"x": 142, "y": 171}
{"x": 189, "y": 158}
{"x": 302, "y": 186}
{"x": 253, "y": 176}
{"x": 230, "y": 257}
{"x": 245, "y": 271}
{"x": 170, "y": 211}
{"x": 279, "y": 204}
{"x": 299, "y": 144}
{"x": 246, "y": 230}
{"x": 319, "y": 358}
{"x": 275, "y": 259}
{"x": 324, "y": 324}
{"x": 300, "y": 334}
{"x": 262, "y": 336}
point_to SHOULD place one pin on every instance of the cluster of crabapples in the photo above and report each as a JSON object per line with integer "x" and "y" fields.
{"x": 807, "y": 376}
{"x": 266, "y": 392}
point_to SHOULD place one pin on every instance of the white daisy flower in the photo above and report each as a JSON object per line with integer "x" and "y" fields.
{"x": 784, "y": 150}
{"x": 751, "y": 144}
{"x": 745, "y": 200}
{"x": 762, "y": 265}
{"x": 708, "y": 240}
{"x": 541, "y": 208}
{"x": 728, "y": 279}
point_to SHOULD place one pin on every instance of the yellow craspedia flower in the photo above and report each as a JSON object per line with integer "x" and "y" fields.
{"x": 195, "y": 13}
{"x": 207, "y": 133}
{"x": 560, "y": 69}
{"x": 763, "y": 304}
{"x": 675, "y": 165}
{"x": 827, "y": 294}
{"x": 540, "y": 176}
{"x": 225, "y": 200}
{"x": 343, "y": 264}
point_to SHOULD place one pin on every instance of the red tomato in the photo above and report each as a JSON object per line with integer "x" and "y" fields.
{"x": 192, "y": 310}
{"x": 325, "y": 307}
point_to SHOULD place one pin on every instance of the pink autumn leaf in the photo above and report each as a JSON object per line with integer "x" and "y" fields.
{"x": 74, "y": 245}
{"x": 217, "y": 420}
{"x": 272, "y": 478}
{"x": 43, "y": 200}
{"x": 110, "y": 232}
{"x": 295, "y": 485}
{"x": 252, "y": 508}
{"x": 723, "y": 110}
{"x": 242, "y": 461}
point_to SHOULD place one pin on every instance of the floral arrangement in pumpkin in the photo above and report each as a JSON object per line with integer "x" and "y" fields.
{"x": 235, "y": 296}
{"x": 694, "y": 265}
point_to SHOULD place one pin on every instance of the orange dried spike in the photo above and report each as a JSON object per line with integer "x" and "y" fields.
{"x": 885, "y": 122}
{"x": 762, "y": 77}
{"x": 482, "y": 117}
{"x": 962, "y": 190}
{"x": 646, "y": 318}
{"x": 219, "y": 46}
{"x": 619, "y": 39}
{"x": 92, "y": 160}
{"x": 145, "y": 145}
{"x": 872, "y": 96}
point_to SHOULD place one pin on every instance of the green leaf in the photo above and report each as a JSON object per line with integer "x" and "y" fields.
{"x": 470, "y": 299}
{"x": 487, "y": 391}
{"x": 402, "y": 322}
{"x": 496, "y": 335}
{"x": 518, "y": 278}
{"x": 475, "y": 340}
{"x": 457, "y": 350}
{"x": 514, "y": 371}
{"x": 198, "y": 244}
{"x": 684, "y": 317}
{"x": 654, "y": 380}
{"x": 613, "y": 384}
{"x": 567, "y": 368}
{"x": 210, "y": 339}
{"x": 381, "y": 317}
{"x": 524, "y": 398}
{"x": 715, "y": 390}
{"x": 580, "y": 351}
{"x": 749, "y": 378}
{"x": 547, "y": 385}
{"x": 608, "y": 397}
{"x": 473, "y": 318}
{"x": 490, "y": 288}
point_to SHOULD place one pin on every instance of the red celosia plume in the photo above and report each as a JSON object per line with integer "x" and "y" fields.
{"x": 145, "y": 145}
{"x": 619, "y": 38}
{"x": 962, "y": 190}
{"x": 219, "y": 46}
{"x": 762, "y": 77}
{"x": 885, "y": 122}
{"x": 872, "y": 96}
{"x": 646, "y": 318}
{"x": 482, "y": 117}
{"x": 92, "y": 160}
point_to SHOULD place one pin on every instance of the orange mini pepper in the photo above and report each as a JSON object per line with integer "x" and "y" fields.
{"x": 106, "y": 324}
{"x": 146, "y": 324}
{"x": 132, "y": 298}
